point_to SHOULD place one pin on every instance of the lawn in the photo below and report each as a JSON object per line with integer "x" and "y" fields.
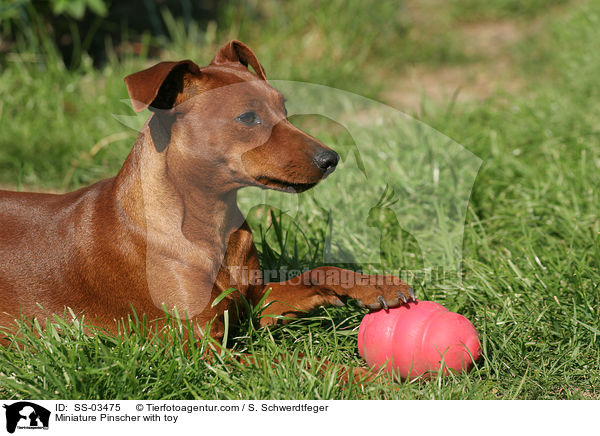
{"x": 508, "y": 122}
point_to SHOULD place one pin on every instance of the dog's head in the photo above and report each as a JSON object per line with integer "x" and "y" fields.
{"x": 224, "y": 125}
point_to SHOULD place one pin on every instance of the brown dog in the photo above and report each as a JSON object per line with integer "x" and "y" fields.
{"x": 166, "y": 231}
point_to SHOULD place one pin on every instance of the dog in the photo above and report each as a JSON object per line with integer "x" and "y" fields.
{"x": 166, "y": 233}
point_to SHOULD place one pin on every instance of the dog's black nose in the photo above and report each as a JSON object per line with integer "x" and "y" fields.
{"x": 327, "y": 160}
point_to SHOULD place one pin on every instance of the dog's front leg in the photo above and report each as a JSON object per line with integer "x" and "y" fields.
{"x": 330, "y": 286}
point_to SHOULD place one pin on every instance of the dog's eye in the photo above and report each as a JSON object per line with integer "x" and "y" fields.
{"x": 249, "y": 118}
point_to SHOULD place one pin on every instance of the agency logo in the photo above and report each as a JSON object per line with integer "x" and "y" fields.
{"x": 26, "y": 415}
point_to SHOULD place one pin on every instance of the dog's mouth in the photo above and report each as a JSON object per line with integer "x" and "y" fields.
{"x": 282, "y": 185}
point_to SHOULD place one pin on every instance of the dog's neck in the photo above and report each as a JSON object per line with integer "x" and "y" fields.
{"x": 150, "y": 194}
{"x": 185, "y": 232}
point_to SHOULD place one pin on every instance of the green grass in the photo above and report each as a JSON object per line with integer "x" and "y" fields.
{"x": 531, "y": 250}
{"x": 476, "y": 10}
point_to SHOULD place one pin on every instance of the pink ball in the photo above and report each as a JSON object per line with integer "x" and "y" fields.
{"x": 412, "y": 339}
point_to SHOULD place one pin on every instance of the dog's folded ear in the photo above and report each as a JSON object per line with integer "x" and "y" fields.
{"x": 238, "y": 52}
{"x": 157, "y": 87}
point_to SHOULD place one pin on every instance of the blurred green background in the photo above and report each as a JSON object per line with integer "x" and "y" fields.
{"x": 62, "y": 62}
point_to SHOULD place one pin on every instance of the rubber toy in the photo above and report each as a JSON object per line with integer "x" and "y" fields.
{"x": 418, "y": 338}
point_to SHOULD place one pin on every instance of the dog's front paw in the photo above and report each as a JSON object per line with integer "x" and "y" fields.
{"x": 381, "y": 292}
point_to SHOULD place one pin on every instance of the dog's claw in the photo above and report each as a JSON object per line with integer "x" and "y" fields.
{"x": 383, "y": 302}
{"x": 411, "y": 292}
{"x": 337, "y": 302}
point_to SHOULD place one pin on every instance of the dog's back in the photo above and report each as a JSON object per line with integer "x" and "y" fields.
{"x": 46, "y": 249}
